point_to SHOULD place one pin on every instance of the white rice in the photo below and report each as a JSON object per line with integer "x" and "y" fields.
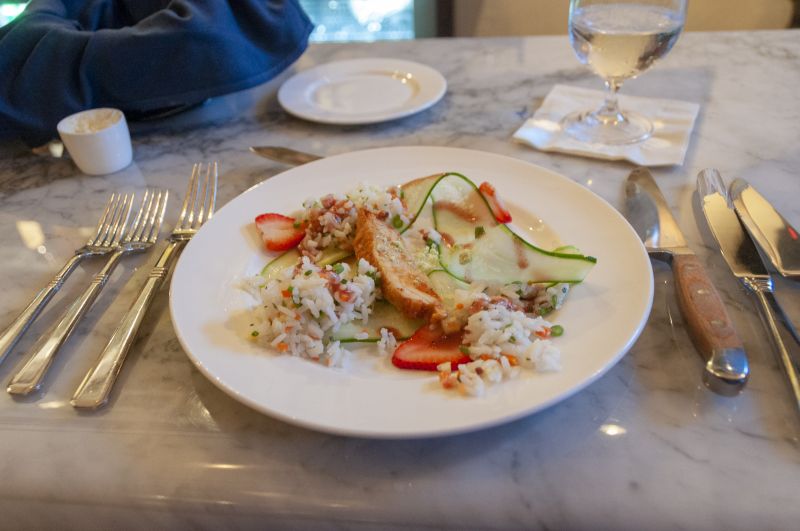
{"x": 494, "y": 336}
{"x": 388, "y": 343}
{"x": 305, "y": 304}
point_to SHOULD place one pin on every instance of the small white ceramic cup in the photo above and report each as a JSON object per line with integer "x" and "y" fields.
{"x": 98, "y": 140}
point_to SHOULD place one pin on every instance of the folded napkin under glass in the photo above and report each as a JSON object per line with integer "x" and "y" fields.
{"x": 673, "y": 121}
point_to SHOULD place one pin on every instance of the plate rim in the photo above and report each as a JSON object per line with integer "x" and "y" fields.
{"x": 331, "y": 428}
{"x": 364, "y": 119}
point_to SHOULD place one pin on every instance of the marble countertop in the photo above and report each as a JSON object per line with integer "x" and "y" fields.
{"x": 644, "y": 447}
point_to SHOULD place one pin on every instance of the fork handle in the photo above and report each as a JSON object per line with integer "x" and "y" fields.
{"x": 765, "y": 298}
{"x": 93, "y": 392}
{"x": 29, "y": 378}
{"x": 14, "y": 331}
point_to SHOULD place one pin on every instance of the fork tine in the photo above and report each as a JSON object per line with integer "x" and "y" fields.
{"x": 102, "y": 223}
{"x": 201, "y": 202}
{"x": 140, "y": 226}
{"x": 109, "y": 225}
{"x": 164, "y": 198}
{"x": 153, "y": 215}
{"x": 113, "y": 224}
{"x": 213, "y": 191}
{"x": 189, "y": 187}
{"x": 141, "y": 216}
{"x": 193, "y": 200}
{"x": 123, "y": 221}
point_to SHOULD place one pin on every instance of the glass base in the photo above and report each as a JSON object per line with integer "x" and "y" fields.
{"x": 615, "y": 129}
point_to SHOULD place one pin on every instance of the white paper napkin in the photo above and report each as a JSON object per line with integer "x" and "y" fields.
{"x": 673, "y": 121}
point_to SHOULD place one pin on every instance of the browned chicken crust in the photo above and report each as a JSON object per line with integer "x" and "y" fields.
{"x": 402, "y": 283}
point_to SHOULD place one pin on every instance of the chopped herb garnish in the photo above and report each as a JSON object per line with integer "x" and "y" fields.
{"x": 308, "y": 272}
{"x": 512, "y": 339}
{"x": 464, "y": 349}
{"x": 290, "y": 289}
{"x": 338, "y": 269}
{"x": 344, "y": 281}
{"x": 397, "y": 222}
{"x": 479, "y": 231}
{"x": 556, "y": 330}
{"x": 296, "y": 224}
{"x": 254, "y": 333}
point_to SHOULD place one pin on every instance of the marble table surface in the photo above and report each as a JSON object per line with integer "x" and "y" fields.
{"x": 645, "y": 446}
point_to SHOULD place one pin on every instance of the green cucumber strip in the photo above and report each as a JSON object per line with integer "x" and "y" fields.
{"x": 415, "y": 196}
{"x": 383, "y": 315}
{"x": 502, "y": 256}
{"x": 291, "y": 257}
{"x": 287, "y": 259}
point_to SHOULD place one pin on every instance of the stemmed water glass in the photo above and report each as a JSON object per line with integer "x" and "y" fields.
{"x": 619, "y": 39}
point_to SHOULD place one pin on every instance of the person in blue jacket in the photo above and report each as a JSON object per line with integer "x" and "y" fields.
{"x": 141, "y": 56}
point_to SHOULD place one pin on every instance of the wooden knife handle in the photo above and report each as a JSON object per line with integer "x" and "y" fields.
{"x": 710, "y": 326}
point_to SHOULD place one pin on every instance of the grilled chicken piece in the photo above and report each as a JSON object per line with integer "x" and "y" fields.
{"x": 402, "y": 283}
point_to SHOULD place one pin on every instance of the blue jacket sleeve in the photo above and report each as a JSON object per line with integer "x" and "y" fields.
{"x": 63, "y": 56}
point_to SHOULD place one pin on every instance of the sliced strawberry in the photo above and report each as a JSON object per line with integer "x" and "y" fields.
{"x": 501, "y": 213}
{"x": 429, "y": 347}
{"x": 279, "y": 232}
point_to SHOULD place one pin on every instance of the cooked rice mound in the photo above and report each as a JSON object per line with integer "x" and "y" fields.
{"x": 306, "y": 304}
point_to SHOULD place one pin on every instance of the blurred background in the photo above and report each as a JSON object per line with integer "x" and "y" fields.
{"x": 371, "y": 20}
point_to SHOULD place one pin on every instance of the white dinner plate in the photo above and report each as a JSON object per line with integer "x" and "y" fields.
{"x": 369, "y": 397}
{"x": 362, "y": 91}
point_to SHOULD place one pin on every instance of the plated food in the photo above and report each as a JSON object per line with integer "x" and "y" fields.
{"x": 369, "y": 396}
{"x": 431, "y": 271}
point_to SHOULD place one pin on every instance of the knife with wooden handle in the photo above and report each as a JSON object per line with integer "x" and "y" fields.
{"x": 708, "y": 322}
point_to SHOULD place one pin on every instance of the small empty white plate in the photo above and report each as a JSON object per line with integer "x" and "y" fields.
{"x": 362, "y": 91}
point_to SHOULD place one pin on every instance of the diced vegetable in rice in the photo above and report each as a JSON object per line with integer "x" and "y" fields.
{"x": 498, "y": 339}
{"x": 301, "y": 308}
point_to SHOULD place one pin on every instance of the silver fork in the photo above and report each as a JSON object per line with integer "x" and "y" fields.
{"x": 198, "y": 207}
{"x": 139, "y": 236}
{"x": 99, "y": 243}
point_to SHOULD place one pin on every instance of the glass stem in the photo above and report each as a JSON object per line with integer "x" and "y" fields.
{"x": 609, "y": 113}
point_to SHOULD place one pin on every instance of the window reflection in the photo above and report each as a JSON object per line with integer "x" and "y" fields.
{"x": 10, "y": 10}
{"x": 360, "y": 20}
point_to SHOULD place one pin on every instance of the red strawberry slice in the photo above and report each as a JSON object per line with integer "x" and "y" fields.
{"x": 429, "y": 347}
{"x": 279, "y": 232}
{"x": 501, "y": 213}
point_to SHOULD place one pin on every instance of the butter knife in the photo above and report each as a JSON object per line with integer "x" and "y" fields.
{"x": 776, "y": 237}
{"x": 773, "y": 235}
{"x": 710, "y": 327}
{"x": 284, "y": 155}
{"x": 744, "y": 261}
